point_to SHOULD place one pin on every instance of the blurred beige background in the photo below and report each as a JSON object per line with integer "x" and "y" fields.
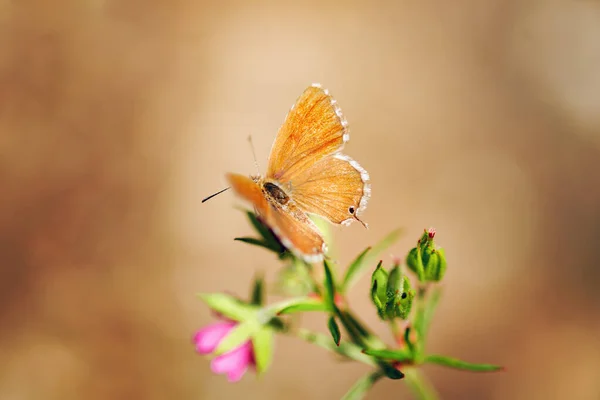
{"x": 479, "y": 118}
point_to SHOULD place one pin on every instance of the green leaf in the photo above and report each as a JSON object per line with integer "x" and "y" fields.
{"x": 262, "y": 345}
{"x": 369, "y": 340}
{"x": 361, "y": 264}
{"x": 258, "y": 242}
{"x": 228, "y": 305}
{"x": 384, "y": 354}
{"x": 386, "y": 242}
{"x": 258, "y": 291}
{"x": 360, "y": 328}
{"x": 355, "y": 334}
{"x": 261, "y": 228}
{"x": 458, "y": 364}
{"x": 329, "y": 287}
{"x": 390, "y": 371}
{"x": 253, "y": 241}
{"x": 359, "y": 390}
{"x": 354, "y": 270}
{"x": 409, "y": 343}
{"x": 237, "y": 336}
{"x": 298, "y": 304}
{"x": 334, "y": 329}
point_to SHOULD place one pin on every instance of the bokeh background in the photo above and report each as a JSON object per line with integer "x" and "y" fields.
{"x": 479, "y": 118}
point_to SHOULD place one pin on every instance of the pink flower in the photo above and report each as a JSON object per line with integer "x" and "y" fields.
{"x": 235, "y": 362}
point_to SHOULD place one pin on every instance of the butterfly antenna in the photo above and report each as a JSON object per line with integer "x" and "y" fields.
{"x": 213, "y": 195}
{"x": 254, "y": 154}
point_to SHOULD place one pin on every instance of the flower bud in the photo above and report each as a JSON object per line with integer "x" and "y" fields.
{"x": 391, "y": 293}
{"x": 379, "y": 282}
{"x": 399, "y": 295}
{"x": 435, "y": 267}
{"x": 427, "y": 260}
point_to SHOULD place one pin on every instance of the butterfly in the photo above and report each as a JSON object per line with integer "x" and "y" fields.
{"x": 307, "y": 173}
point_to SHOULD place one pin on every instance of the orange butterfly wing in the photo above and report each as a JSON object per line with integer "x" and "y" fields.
{"x": 313, "y": 129}
{"x": 251, "y": 191}
{"x": 306, "y": 160}
{"x": 293, "y": 227}
{"x": 336, "y": 188}
{"x": 298, "y": 233}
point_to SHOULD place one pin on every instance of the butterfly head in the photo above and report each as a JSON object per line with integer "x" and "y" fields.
{"x": 256, "y": 178}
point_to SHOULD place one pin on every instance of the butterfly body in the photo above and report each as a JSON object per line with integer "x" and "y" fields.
{"x": 307, "y": 174}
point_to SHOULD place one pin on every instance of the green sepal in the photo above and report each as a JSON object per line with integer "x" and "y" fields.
{"x": 393, "y": 294}
{"x": 459, "y": 364}
{"x": 379, "y": 282}
{"x": 415, "y": 263}
{"x": 237, "y": 336}
{"x": 334, "y": 329}
{"x": 360, "y": 389}
{"x": 435, "y": 268}
{"x": 229, "y": 306}
{"x": 385, "y": 354}
{"x": 400, "y": 295}
{"x": 262, "y": 346}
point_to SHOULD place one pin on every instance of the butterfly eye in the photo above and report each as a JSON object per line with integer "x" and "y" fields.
{"x": 351, "y": 210}
{"x": 403, "y": 295}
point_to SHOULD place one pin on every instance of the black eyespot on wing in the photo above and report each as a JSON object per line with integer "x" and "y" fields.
{"x": 404, "y": 295}
{"x": 351, "y": 210}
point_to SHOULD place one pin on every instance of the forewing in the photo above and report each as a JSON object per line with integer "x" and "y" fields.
{"x": 250, "y": 191}
{"x": 336, "y": 188}
{"x": 298, "y": 233}
{"x": 294, "y": 228}
{"x": 313, "y": 129}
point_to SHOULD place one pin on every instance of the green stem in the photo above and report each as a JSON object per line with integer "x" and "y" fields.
{"x": 419, "y": 384}
{"x": 396, "y": 331}
{"x": 420, "y": 322}
{"x": 346, "y": 349}
{"x": 309, "y": 273}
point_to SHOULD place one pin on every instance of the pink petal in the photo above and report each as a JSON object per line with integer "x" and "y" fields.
{"x": 208, "y": 338}
{"x": 236, "y": 374}
{"x": 233, "y": 363}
